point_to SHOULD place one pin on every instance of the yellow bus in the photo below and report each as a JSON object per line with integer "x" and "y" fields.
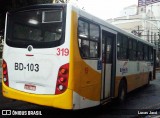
{"x": 61, "y": 56}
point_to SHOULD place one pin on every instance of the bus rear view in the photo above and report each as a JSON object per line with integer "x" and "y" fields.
{"x": 36, "y": 56}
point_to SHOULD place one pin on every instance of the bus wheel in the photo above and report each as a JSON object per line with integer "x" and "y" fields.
{"x": 122, "y": 91}
{"x": 149, "y": 78}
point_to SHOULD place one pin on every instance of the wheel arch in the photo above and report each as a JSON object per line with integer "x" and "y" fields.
{"x": 122, "y": 89}
{"x": 150, "y": 76}
{"x": 125, "y": 81}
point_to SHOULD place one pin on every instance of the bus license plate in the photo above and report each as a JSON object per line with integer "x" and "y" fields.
{"x": 29, "y": 67}
{"x": 30, "y": 87}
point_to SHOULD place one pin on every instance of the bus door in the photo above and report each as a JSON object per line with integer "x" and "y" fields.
{"x": 108, "y": 64}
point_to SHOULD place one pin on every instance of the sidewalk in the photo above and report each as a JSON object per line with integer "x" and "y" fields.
{"x": 158, "y": 68}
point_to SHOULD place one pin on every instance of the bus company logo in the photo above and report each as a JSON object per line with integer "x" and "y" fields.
{"x": 18, "y": 113}
{"x": 124, "y": 69}
{"x": 29, "y": 48}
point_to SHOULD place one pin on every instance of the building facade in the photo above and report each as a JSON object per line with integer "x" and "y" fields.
{"x": 142, "y": 20}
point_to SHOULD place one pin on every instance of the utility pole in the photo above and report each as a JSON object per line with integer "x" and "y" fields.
{"x": 151, "y": 37}
{"x": 159, "y": 40}
{"x": 148, "y": 36}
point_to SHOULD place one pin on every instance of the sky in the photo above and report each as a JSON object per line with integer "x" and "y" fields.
{"x": 105, "y": 9}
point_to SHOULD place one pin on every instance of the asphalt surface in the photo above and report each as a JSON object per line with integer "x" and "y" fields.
{"x": 144, "y": 99}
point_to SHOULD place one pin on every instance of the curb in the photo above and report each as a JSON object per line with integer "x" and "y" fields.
{"x": 157, "y": 69}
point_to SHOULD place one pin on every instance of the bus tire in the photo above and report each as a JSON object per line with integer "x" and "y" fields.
{"x": 149, "y": 78}
{"x": 122, "y": 91}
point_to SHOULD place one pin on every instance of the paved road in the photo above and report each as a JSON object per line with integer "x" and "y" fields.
{"x": 144, "y": 99}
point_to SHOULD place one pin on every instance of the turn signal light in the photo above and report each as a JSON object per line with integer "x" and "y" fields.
{"x": 62, "y": 71}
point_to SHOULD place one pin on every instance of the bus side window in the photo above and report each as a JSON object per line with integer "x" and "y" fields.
{"x": 150, "y": 54}
{"x": 88, "y": 38}
{"x": 119, "y": 47}
{"x": 84, "y": 48}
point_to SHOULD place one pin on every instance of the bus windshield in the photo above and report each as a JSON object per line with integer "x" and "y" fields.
{"x": 39, "y": 28}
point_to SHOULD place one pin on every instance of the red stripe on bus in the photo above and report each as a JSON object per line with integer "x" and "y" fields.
{"x": 29, "y": 55}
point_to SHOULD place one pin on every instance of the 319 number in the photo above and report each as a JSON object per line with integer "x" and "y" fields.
{"x": 62, "y": 51}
